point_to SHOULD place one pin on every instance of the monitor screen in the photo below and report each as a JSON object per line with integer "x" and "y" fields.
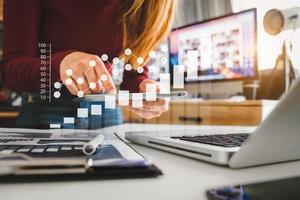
{"x": 219, "y": 49}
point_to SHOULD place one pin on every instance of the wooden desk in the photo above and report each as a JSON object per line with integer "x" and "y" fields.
{"x": 9, "y": 114}
{"x": 8, "y": 118}
{"x": 209, "y": 112}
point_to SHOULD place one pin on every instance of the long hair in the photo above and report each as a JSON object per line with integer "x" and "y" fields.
{"x": 145, "y": 24}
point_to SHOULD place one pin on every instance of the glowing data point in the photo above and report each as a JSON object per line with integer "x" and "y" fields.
{"x": 80, "y": 93}
{"x": 92, "y": 85}
{"x": 92, "y": 63}
{"x": 116, "y": 61}
{"x": 152, "y": 54}
{"x": 56, "y": 94}
{"x": 140, "y": 60}
{"x": 128, "y": 67}
{"x": 68, "y": 81}
{"x": 128, "y": 52}
{"x": 163, "y": 60}
{"x": 104, "y": 57}
{"x": 80, "y": 80}
{"x": 140, "y": 70}
{"x": 57, "y": 85}
{"x": 69, "y": 72}
{"x": 164, "y": 48}
{"x": 103, "y": 77}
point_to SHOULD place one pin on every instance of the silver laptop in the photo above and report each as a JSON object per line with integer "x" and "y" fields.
{"x": 277, "y": 139}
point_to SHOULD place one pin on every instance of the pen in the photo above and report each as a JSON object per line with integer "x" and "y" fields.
{"x": 91, "y": 147}
{"x": 101, "y": 97}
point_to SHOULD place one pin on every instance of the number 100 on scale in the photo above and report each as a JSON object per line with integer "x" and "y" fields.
{"x": 45, "y": 71}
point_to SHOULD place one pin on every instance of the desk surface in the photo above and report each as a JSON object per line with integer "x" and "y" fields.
{"x": 183, "y": 178}
{"x": 9, "y": 114}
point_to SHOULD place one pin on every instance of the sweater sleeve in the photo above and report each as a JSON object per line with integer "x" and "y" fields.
{"x": 132, "y": 79}
{"x": 20, "y": 67}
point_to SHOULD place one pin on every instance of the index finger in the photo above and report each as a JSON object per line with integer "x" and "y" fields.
{"x": 104, "y": 76}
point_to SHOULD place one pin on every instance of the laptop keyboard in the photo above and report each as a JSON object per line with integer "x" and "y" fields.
{"x": 224, "y": 140}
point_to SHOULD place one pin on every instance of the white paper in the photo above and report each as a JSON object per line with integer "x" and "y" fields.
{"x": 164, "y": 83}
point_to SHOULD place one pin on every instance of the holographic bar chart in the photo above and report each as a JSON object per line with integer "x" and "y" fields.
{"x": 82, "y": 112}
{"x": 164, "y": 83}
{"x": 151, "y": 91}
{"x": 137, "y": 100}
{"x": 123, "y": 98}
{"x": 178, "y": 76}
{"x": 192, "y": 64}
{"x": 69, "y": 120}
{"x": 96, "y": 109}
{"x": 110, "y": 101}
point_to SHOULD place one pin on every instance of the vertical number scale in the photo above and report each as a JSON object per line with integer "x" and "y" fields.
{"x": 45, "y": 71}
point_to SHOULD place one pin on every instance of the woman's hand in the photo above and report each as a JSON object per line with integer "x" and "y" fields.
{"x": 84, "y": 73}
{"x": 151, "y": 109}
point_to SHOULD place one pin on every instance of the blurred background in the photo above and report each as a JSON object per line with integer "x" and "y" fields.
{"x": 190, "y": 11}
{"x": 193, "y": 11}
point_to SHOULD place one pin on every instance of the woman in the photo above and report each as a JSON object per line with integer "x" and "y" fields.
{"x": 80, "y": 31}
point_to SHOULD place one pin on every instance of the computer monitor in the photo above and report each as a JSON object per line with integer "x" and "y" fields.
{"x": 225, "y": 47}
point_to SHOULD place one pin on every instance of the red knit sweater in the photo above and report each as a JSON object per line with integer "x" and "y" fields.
{"x": 70, "y": 25}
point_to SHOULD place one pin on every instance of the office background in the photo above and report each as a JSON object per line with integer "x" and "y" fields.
{"x": 190, "y": 11}
{"x": 269, "y": 47}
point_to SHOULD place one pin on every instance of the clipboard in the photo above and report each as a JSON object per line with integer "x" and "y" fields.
{"x": 114, "y": 160}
